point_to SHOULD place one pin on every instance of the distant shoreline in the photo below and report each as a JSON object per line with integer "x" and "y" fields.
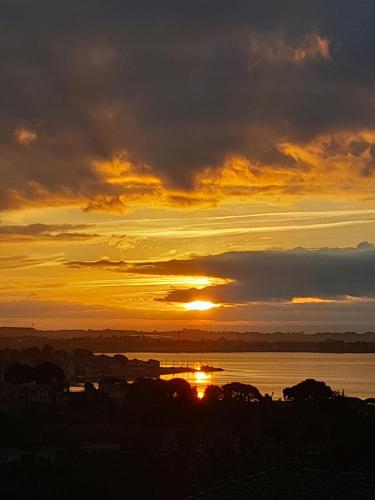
{"x": 156, "y": 345}
{"x": 189, "y": 341}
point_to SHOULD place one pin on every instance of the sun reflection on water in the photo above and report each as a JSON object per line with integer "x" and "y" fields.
{"x": 200, "y": 392}
{"x": 201, "y": 376}
{"x": 198, "y": 379}
{"x": 201, "y": 379}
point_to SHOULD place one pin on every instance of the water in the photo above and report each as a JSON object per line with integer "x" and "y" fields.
{"x": 271, "y": 372}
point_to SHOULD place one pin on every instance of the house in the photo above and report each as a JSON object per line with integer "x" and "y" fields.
{"x": 48, "y": 392}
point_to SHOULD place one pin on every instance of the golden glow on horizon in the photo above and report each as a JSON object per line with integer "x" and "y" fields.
{"x": 102, "y": 296}
{"x": 310, "y": 300}
{"x": 200, "y": 305}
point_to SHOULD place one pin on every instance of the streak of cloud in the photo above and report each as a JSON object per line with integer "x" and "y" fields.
{"x": 265, "y": 275}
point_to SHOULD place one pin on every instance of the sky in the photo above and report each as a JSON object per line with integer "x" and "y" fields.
{"x": 177, "y": 164}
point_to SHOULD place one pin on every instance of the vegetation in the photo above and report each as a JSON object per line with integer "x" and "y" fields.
{"x": 19, "y": 373}
{"x": 188, "y": 341}
{"x": 105, "y": 448}
{"x": 308, "y": 389}
{"x": 103, "y": 442}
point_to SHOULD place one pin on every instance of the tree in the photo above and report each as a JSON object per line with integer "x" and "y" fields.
{"x": 147, "y": 393}
{"x": 308, "y": 389}
{"x": 47, "y": 372}
{"x": 213, "y": 393}
{"x": 18, "y": 373}
{"x": 241, "y": 392}
{"x": 179, "y": 388}
{"x": 47, "y": 353}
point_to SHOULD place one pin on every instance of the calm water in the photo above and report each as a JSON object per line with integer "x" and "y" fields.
{"x": 271, "y": 372}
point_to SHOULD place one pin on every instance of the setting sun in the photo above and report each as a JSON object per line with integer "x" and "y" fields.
{"x": 200, "y": 305}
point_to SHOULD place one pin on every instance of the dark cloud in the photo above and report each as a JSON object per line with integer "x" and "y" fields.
{"x": 179, "y": 86}
{"x": 267, "y": 275}
{"x": 344, "y": 314}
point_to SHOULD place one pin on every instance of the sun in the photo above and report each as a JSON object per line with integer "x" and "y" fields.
{"x": 200, "y": 305}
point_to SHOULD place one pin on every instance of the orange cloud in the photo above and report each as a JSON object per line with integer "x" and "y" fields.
{"x": 330, "y": 165}
{"x": 312, "y": 47}
{"x": 34, "y": 195}
{"x": 45, "y": 232}
{"x": 25, "y": 136}
{"x": 311, "y": 300}
{"x": 337, "y": 165}
{"x": 277, "y": 49}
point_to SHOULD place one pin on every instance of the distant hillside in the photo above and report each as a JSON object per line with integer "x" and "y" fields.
{"x": 187, "y": 341}
{"x": 195, "y": 335}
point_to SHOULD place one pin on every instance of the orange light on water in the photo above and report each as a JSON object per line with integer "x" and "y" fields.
{"x": 200, "y": 392}
{"x": 201, "y": 379}
{"x": 201, "y": 376}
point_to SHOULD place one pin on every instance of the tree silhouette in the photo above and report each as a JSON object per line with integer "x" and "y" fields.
{"x": 236, "y": 391}
{"x": 47, "y": 372}
{"x": 46, "y": 353}
{"x": 18, "y": 373}
{"x": 308, "y": 389}
{"x": 179, "y": 388}
{"x": 213, "y": 393}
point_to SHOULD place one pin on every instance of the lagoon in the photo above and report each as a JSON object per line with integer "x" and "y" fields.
{"x": 271, "y": 372}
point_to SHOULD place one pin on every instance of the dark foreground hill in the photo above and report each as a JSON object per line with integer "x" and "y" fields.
{"x": 296, "y": 484}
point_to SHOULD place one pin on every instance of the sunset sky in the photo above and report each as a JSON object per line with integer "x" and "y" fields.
{"x": 163, "y": 157}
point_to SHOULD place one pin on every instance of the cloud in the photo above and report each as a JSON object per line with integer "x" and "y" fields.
{"x": 183, "y": 90}
{"x": 280, "y": 314}
{"x": 37, "y": 309}
{"x": 276, "y": 49}
{"x": 259, "y": 276}
{"x": 27, "y": 262}
{"x": 312, "y": 47}
{"x": 25, "y": 136}
{"x": 44, "y": 232}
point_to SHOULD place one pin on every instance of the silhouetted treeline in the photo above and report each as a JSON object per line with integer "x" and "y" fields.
{"x": 157, "y": 344}
{"x": 194, "y": 334}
